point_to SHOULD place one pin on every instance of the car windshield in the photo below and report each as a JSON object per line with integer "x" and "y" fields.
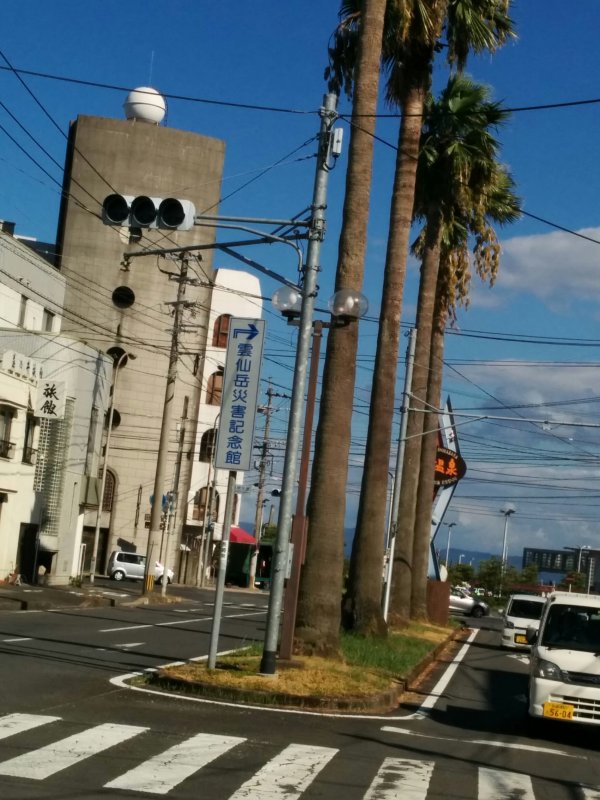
{"x": 525, "y": 609}
{"x": 572, "y": 628}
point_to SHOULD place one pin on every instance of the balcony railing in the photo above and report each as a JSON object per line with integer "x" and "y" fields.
{"x": 29, "y": 455}
{"x": 7, "y": 449}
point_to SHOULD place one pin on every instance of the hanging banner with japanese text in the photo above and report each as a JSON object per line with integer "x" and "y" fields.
{"x": 51, "y": 399}
{"x": 235, "y": 436}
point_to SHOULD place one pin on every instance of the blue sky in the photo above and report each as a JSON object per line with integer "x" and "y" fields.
{"x": 530, "y": 341}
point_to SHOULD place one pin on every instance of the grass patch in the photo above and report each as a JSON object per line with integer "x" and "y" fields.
{"x": 369, "y": 667}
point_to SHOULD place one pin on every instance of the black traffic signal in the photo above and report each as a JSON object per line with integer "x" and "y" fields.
{"x": 168, "y": 213}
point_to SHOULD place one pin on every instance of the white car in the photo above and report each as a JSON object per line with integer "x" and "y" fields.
{"x": 124, "y": 565}
{"x": 523, "y": 611}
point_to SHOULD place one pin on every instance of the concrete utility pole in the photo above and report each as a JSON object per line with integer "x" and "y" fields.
{"x": 174, "y": 502}
{"x": 163, "y": 447}
{"x": 262, "y": 471}
{"x": 309, "y": 290}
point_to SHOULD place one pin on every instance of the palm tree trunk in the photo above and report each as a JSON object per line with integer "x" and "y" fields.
{"x": 427, "y": 469}
{"x": 407, "y": 595}
{"x": 363, "y": 603}
{"x": 319, "y": 602}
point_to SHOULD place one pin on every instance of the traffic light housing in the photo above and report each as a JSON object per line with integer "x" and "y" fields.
{"x": 169, "y": 213}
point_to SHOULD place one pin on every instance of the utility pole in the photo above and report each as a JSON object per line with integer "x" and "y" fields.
{"x": 174, "y": 502}
{"x": 262, "y": 470}
{"x": 163, "y": 446}
{"x": 328, "y": 115}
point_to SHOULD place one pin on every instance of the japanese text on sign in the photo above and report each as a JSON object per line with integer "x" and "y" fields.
{"x": 240, "y": 394}
{"x": 51, "y": 397}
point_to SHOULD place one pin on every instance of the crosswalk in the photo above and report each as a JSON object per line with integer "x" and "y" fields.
{"x": 287, "y": 775}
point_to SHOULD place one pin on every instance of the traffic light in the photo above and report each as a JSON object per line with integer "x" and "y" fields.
{"x": 168, "y": 213}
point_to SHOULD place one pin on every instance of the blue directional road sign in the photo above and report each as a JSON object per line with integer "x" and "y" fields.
{"x": 240, "y": 394}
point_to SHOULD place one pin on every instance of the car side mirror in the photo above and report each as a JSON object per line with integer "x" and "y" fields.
{"x": 531, "y": 635}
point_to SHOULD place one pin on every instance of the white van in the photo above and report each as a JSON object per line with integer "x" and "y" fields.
{"x": 522, "y": 612}
{"x": 564, "y": 678}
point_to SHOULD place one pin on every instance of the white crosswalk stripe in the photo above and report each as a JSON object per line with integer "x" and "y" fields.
{"x": 162, "y": 773}
{"x": 42, "y": 763}
{"x": 495, "y": 784}
{"x": 12, "y": 724}
{"x": 287, "y": 775}
{"x": 401, "y": 777}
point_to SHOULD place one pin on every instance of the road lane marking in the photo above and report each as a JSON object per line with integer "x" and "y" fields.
{"x": 287, "y": 775}
{"x": 177, "y": 622}
{"x": 401, "y": 777}
{"x": 440, "y": 687}
{"x": 486, "y": 742}
{"x": 589, "y": 793}
{"x": 12, "y": 724}
{"x": 46, "y": 761}
{"x": 163, "y": 772}
{"x": 21, "y": 639}
{"x": 130, "y": 644}
{"x": 500, "y": 785}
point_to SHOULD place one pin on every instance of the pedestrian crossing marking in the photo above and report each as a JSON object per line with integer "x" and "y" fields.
{"x": 589, "y": 793}
{"x": 495, "y": 784}
{"x": 46, "y": 761}
{"x": 12, "y": 724}
{"x": 163, "y": 772}
{"x": 287, "y": 775}
{"x": 401, "y": 777}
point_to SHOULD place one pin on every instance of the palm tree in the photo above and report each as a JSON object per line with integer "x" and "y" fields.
{"x": 412, "y": 35}
{"x": 459, "y": 178}
{"x": 319, "y": 612}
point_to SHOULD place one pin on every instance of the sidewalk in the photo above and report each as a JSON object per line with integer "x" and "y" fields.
{"x": 26, "y": 597}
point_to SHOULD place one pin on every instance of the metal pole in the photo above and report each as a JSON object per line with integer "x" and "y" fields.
{"x": 309, "y": 290}
{"x": 450, "y": 526}
{"x": 261, "y": 488}
{"x": 94, "y": 557}
{"x": 299, "y": 521}
{"x": 220, "y": 588}
{"x": 410, "y": 360}
{"x": 163, "y": 446}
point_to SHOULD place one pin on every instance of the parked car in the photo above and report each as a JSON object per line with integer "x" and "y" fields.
{"x": 462, "y": 602}
{"x": 523, "y": 612}
{"x": 132, "y": 566}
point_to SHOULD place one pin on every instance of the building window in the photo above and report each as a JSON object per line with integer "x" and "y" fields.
{"x": 29, "y": 453}
{"x": 22, "y": 311}
{"x": 221, "y": 330}
{"x": 109, "y": 491}
{"x": 199, "y": 508}
{"x": 48, "y": 320}
{"x": 214, "y": 390}
{"x": 7, "y": 448}
{"x": 207, "y": 445}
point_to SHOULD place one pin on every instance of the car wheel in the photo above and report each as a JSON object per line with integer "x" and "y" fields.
{"x": 118, "y": 575}
{"x": 158, "y": 581}
{"x": 477, "y": 612}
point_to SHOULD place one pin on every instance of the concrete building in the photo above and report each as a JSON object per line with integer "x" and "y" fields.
{"x": 234, "y": 294}
{"x": 127, "y": 308}
{"x": 48, "y": 455}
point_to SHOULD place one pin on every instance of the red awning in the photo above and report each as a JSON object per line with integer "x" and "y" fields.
{"x": 240, "y": 536}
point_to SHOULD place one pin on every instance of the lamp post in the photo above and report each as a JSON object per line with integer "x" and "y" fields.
{"x": 581, "y": 547}
{"x": 116, "y": 365}
{"x": 460, "y": 558}
{"x": 507, "y": 511}
{"x": 450, "y": 525}
{"x": 345, "y": 306}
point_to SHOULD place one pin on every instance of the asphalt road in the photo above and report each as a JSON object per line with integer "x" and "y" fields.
{"x": 69, "y": 727}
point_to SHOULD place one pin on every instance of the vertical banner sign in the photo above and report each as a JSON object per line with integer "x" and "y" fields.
{"x": 235, "y": 435}
{"x": 51, "y": 399}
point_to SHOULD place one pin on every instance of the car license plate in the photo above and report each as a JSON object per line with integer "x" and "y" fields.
{"x": 520, "y": 639}
{"x": 559, "y": 710}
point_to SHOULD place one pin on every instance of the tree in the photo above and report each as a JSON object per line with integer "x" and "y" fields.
{"x": 469, "y": 26}
{"x": 319, "y": 602}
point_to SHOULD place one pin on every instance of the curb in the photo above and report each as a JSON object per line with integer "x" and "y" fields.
{"x": 382, "y": 702}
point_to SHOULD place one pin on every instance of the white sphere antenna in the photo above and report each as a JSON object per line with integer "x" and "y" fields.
{"x": 146, "y": 105}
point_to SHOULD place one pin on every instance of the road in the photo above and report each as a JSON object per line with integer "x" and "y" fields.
{"x": 71, "y": 728}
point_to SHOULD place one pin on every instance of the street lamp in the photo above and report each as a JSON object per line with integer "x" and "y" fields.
{"x": 119, "y": 362}
{"x": 450, "y": 525}
{"x": 346, "y": 305}
{"x": 507, "y": 511}
{"x": 460, "y": 558}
